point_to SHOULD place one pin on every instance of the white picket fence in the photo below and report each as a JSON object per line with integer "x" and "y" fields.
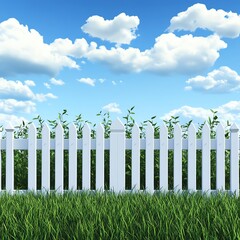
{"x": 117, "y": 144}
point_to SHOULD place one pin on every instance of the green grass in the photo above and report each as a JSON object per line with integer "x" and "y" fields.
{"x": 94, "y": 215}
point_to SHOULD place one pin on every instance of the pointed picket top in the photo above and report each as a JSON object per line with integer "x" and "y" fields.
{"x": 135, "y": 129}
{"x": 177, "y": 128}
{"x": 9, "y": 127}
{"x": 32, "y": 127}
{"x": 192, "y": 128}
{"x": 220, "y": 128}
{"x": 100, "y": 127}
{"x": 45, "y": 128}
{"x": 72, "y": 127}
{"x": 117, "y": 126}
{"x": 206, "y": 127}
{"x": 149, "y": 128}
{"x": 163, "y": 126}
{"x": 59, "y": 126}
{"x": 86, "y": 129}
{"x": 234, "y": 128}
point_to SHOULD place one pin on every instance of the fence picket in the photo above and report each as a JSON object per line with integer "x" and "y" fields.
{"x": 59, "y": 159}
{"x": 220, "y": 161}
{"x": 177, "y": 158}
{"x": 117, "y": 156}
{"x": 86, "y": 158}
{"x": 45, "y": 158}
{"x": 192, "y": 158}
{"x": 0, "y": 161}
{"x": 206, "y": 144}
{"x": 100, "y": 158}
{"x": 234, "y": 159}
{"x": 72, "y": 170}
{"x": 164, "y": 158}
{"x": 32, "y": 158}
{"x": 9, "y": 158}
{"x": 135, "y": 158}
{"x": 149, "y": 158}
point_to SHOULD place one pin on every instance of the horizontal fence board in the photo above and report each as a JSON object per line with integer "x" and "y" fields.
{"x": 21, "y": 144}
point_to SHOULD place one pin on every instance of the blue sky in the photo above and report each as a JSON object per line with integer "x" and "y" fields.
{"x": 168, "y": 57}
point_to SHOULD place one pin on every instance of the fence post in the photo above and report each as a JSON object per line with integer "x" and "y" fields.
{"x": 9, "y": 159}
{"x": 117, "y": 156}
{"x": 234, "y": 160}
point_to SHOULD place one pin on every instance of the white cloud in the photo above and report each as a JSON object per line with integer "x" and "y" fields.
{"x": 225, "y": 24}
{"x": 221, "y": 80}
{"x": 170, "y": 54}
{"x": 88, "y": 81}
{"x": 17, "y": 90}
{"x": 40, "y": 97}
{"x": 47, "y": 85}
{"x": 77, "y": 49}
{"x": 14, "y": 89}
{"x": 30, "y": 83}
{"x": 12, "y": 105}
{"x": 101, "y": 80}
{"x": 226, "y": 112}
{"x": 15, "y": 120}
{"x": 120, "y": 30}
{"x": 57, "y": 82}
{"x": 23, "y": 51}
{"x": 114, "y": 83}
{"x": 112, "y": 107}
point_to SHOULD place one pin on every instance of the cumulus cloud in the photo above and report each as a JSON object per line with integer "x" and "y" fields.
{"x": 170, "y": 53}
{"x": 15, "y": 120}
{"x": 112, "y": 107}
{"x": 40, "y": 97}
{"x": 225, "y": 24}
{"x": 76, "y": 49}
{"x": 88, "y": 81}
{"x": 47, "y": 85}
{"x": 23, "y": 51}
{"x": 226, "y": 112}
{"x": 12, "y": 105}
{"x": 120, "y": 30}
{"x": 221, "y": 80}
{"x": 30, "y": 83}
{"x": 59, "y": 82}
{"x": 17, "y": 90}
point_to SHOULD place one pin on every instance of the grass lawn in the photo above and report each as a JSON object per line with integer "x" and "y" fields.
{"x": 94, "y": 215}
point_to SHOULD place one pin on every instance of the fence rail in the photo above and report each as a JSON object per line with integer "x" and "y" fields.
{"x": 118, "y": 144}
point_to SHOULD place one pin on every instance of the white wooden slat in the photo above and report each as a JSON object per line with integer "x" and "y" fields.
{"x": 59, "y": 159}
{"x": 72, "y": 170}
{"x": 206, "y": 164}
{"x": 220, "y": 161}
{"x": 234, "y": 159}
{"x": 0, "y": 161}
{"x": 192, "y": 158}
{"x": 177, "y": 177}
{"x": 100, "y": 158}
{"x": 164, "y": 158}
{"x": 117, "y": 156}
{"x": 135, "y": 158}
{"x": 45, "y": 158}
{"x": 149, "y": 158}
{"x": 32, "y": 158}
{"x": 9, "y": 158}
{"x": 86, "y": 158}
